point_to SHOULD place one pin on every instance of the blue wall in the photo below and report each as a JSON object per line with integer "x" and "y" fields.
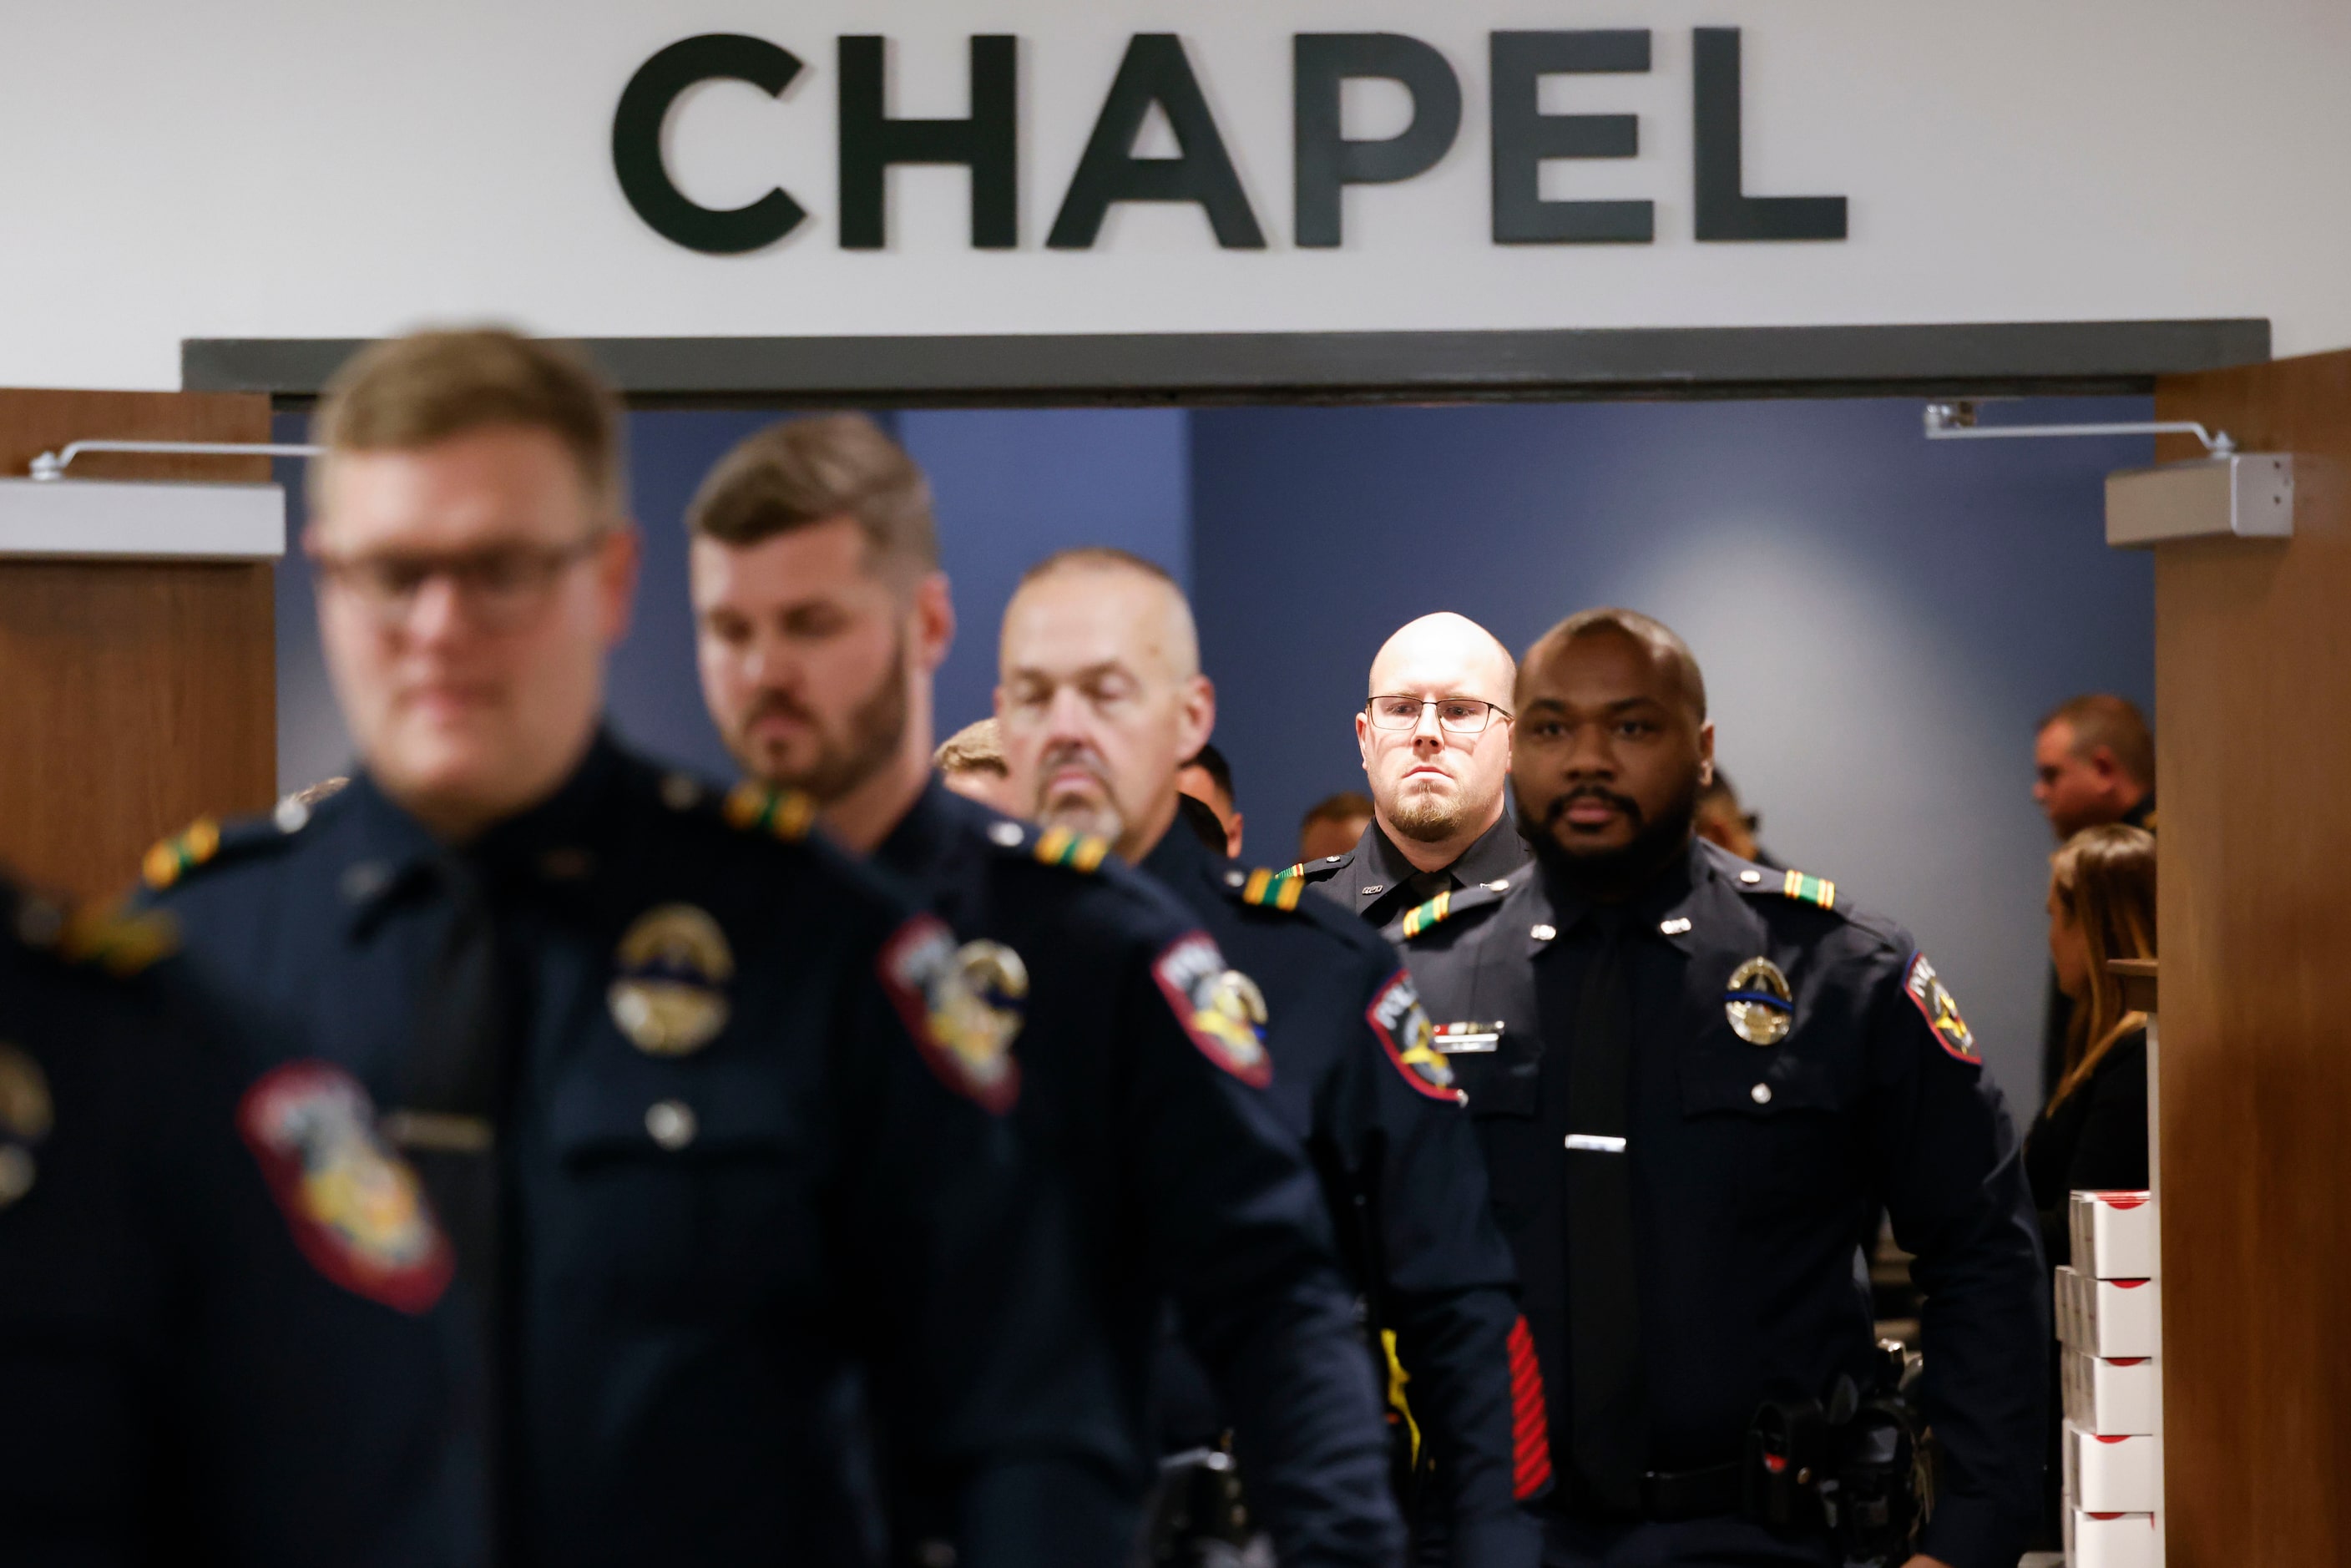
{"x": 1881, "y": 620}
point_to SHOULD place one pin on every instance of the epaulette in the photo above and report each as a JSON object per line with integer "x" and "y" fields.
{"x": 1273, "y": 889}
{"x": 1066, "y": 847}
{"x": 205, "y": 841}
{"x": 1446, "y": 905}
{"x": 120, "y": 941}
{"x": 786, "y": 814}
{"x": 1814, "y": 890}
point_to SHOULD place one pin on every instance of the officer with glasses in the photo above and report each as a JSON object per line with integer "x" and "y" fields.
{"x": 1434, "y": 734}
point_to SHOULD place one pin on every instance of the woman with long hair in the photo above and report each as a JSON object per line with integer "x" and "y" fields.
{"x": 2093, "y": 1133}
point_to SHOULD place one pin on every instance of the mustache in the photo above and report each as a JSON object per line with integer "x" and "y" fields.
{"x": 776, "y": 704}
{"x": 1624, "y": 803}
{"x": 1071, "y": 754}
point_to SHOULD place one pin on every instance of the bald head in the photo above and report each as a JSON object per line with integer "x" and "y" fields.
{"x": 1444, "y": 650}
{"x": 1100, "y": 695}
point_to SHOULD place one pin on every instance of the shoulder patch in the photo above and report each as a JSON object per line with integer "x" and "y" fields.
{"x": 120, "y": 942}
{"x": 1079, "y": 851}
{"x": 1402, "y": 1025}
{"x": 1940, "y": 1010}
{"x": 1220, "y": 1008}
{"x": 356, "y": 1210}
{"x": 963, "y": 1006}
{"x": 1814, "y": 890}
{"x": 1273, "y": 889}
{"x": 786, "y": 814}
{"x": 1420, "y": 917}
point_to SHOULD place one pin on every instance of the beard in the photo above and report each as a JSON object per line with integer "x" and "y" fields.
{"x": 1616, "y": 869}
{"x": 867, "y": 741}
{"x": 1097, "y": 814}
{"x": 1427, "y": 817}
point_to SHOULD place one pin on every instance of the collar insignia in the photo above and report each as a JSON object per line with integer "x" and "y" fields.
{"x": 668, "y": 990}
{"x": 1080, "y": 852}
{"x": 1760, "y": 1006}
{"x": 1273, "y": 889}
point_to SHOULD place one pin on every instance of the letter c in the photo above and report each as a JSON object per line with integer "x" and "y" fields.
{"x": 637, "y": 150}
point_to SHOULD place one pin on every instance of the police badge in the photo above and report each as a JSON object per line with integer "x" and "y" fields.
{"x": 1760, "y": 1006}
{"x": 356, "y": 1210}
{"x": 963, "y": 1006}
{"x": 667, "y": 992}
{"x": 1403, "y": 1025}
{"x": 1220, "y": 1008}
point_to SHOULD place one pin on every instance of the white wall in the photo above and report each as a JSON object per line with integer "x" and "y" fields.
{"x": 264, "y": 168}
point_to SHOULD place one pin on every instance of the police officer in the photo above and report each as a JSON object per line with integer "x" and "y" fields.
{"x": 1691, "y": 1077}
{"x": 221, "y": 1333}
{"x": 1434, "y": 735}
{"x": 1102, "y": 700}
{"x": 643, "y": 1044}
{"x": 1154, "y": 1163}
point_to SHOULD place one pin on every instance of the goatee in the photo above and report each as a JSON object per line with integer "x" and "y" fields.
{"x": 1617, "y": 873}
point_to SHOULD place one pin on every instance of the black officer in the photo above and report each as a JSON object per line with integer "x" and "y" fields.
{"x": 1434, "y": 735}
{"x": 1691, "y": 1077}
{"x": 221, "y": 1333}
{"x": 1153, "y": 1164}
{"x": 648, "y": 1048}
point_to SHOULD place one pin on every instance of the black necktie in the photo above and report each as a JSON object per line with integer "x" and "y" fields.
{"x": 1423, "y": 885}
{"x": 448, "y": 1123}
{"x": 1603, "y": 1327}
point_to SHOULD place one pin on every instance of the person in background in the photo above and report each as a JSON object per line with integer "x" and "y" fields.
{"x": 1149, "y": 1163}
{"x": 1207, "y": 777}
{"x": 1435, "y": 736}
{"x": 1332, "y": 825}
{"x": 2093, "y": 763}
{"x": 2093, "y": 1133}
{"x": 971, "y": 763}
{"x": 1346, "y": 1047}
{"x": 1723, "y": 820}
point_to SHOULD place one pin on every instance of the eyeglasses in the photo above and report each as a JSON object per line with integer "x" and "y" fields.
{"x": 1455, "y": 715}
{"x": 499, "y": 588}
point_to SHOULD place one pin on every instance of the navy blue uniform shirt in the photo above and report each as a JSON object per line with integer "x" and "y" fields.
{"x": 1753, "y": 1165}
{"x": 719, "y": 1148}
{"x": 222, "y": 1331}
{"x": 1356, "y": 1077}
{"x": 1157, "y": 1167}
{"x": 1378, "y": 884}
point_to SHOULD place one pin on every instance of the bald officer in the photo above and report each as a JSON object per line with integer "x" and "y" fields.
{"x": 1693, "y": 1078}
{"x": 1102, "y": 700}
{"x": 1434, "y": 735}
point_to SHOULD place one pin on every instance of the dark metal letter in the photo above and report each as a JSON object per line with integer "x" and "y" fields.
{"x": 1155, "y": 71}
{"x": 1524, "y": 136}
{"x": 1326, "y": 161}
{"x": 1724, "y": 210}
{"x": 988, "y": 143}
{"x": 637, "y": 138}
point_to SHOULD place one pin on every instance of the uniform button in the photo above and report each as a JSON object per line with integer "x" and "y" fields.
{"x": 291, "y": 815}
{"x": 1542, "y": 933}
{"x": 1761, "y": 1094}
{"x": 362, "y": 882}
{"x": 1332, "y": 859}
{"x": 1006, "y": 834}
{"x": 1750, "y": 876}
{"x": 1234, "y": 878}
{"x": 672, "y": 1123}
{"x": 1675, "y": 926}
{"x": 1501, "y": 884}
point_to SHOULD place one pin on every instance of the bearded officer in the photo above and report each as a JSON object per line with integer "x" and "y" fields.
{"x": 1352, "y": 1068}
{"x": 1692, "y": 1077}
{"x": 1435, "y": 735}
{"x": 645, "y": 1044}
{"x": 221, "y": 1321}
{"x": 1154, "y": 1161}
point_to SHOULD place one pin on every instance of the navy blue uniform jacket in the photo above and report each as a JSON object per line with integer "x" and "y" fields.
{"x": 194, "y": 1374}
{"x": 1356, "y": 1077}
{"x": 1753, "y": 1166}
{"x": 701, "y": 1228}
{"x": 1156, "y": 1167}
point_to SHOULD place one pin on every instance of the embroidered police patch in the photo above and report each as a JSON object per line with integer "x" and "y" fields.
{"x": 1220, "y": 1008}
{"x": 1941, "y": 1012}
{"x": 1759, "y": 1003}
{"x": 1403, "y": 1025}
{"x": 963, "y": 1006}
{"x": 668, "y": 990}
{"x": 355, "y": 1210}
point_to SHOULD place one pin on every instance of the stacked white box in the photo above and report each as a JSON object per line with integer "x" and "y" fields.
{"x": 2113, "y": 1475}
{"x": 2112, "y": 1540}
{"x": 2112, "y": 1399}
{"x": 2110, "y": 1318}
{"x": 2114, "y": 1234}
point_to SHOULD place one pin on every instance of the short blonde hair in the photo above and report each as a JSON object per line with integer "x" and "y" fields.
{"x": 975, "y": 749}
{"x": 406, "y": 393}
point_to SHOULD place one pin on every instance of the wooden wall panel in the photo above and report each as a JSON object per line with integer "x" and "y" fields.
{"x": 2253, "y": 769}
{"x": 134, "y": 697}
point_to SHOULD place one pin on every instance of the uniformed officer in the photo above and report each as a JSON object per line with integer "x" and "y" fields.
{"x": 1691, "y": 1076}
{"x": 1434, "y": 734}
{"x": 645, "y": 1044}
{"x": 221, "y": 1330}
{"x": 1154, "y": 1163}
{"x": 1102, "y": 700}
